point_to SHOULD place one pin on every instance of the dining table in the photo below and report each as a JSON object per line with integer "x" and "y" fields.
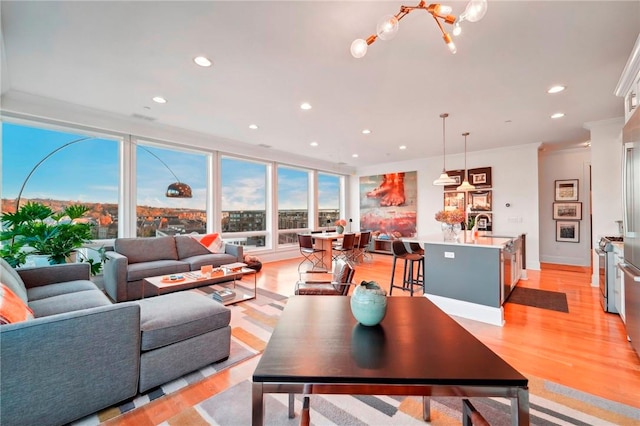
{"x": 324, "y": 241}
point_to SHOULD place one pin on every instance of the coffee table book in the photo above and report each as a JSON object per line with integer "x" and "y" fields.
{"x": 224, "y": 295}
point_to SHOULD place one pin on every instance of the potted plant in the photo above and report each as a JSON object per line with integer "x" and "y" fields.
{"x": 35, "y": 229}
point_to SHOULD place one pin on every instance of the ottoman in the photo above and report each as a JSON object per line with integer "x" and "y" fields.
{"x": 180, "y": 332}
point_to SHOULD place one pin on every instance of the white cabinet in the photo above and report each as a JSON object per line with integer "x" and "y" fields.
{"x": 629, "y": 83}
{"x": 619, "y": 284}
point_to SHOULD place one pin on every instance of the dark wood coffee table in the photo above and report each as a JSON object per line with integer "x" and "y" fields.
{"x": 318, "y": 347}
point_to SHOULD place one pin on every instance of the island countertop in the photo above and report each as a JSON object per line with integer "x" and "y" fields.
{"x": 464, "y": 239}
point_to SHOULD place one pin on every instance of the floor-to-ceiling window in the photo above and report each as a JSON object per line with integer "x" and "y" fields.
{"x": 329, "y": 195}
{"x": 293, "y": 203}
{"x": 244, "y": 202}
{"x": 62, "y": 167}
{"x": 163, "y": 205}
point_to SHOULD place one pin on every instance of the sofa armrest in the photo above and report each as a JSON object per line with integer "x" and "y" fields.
{"x": 62, "y": 367}
{"x": 235, "y": 250}
{"x": 44, "y": 275}
{"x": 115, "y": 276}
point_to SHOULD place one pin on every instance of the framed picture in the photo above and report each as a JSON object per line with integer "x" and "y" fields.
{"x": 565, "y": 211}
{"x": 454, "y": 201}
{"x": 480, "y": 201}
{"x": 480, "y": 177}
{"x": 568, "y": 231}
{"x": 567, "y": 190}
{"x": 458, "y": 176}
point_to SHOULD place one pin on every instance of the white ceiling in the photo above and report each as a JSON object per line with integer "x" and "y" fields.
{"x": 269, "y": 57}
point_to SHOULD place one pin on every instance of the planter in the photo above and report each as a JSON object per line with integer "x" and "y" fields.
{"x": 369, "y": 303}
{"x": 339, "y": 229}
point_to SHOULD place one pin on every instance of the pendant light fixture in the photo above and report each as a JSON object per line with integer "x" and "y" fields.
{"x": 444, "y": 178}
{"x": 466, "y": 186}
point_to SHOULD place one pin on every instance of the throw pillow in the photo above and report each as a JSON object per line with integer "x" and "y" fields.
{"x": 12, "y": 308}
{"x": 213, "y": 242}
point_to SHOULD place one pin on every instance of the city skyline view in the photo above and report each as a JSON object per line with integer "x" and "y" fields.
{"x": 89, "y": 171}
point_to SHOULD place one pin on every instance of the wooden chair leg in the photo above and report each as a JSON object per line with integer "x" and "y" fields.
{"x": 305, "y": 419}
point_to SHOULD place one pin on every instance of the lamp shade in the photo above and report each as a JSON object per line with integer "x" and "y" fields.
{"x": 466, "y": 186}
{"x": 179, "y": 190}
{"x": 444, "y": 179}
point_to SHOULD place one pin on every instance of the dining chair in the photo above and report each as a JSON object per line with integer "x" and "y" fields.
{"x": 346, "y": 249}
{"x": 336, "y": 284}
{"x": 310, "y": 253}
{"x": 360, "y": 248}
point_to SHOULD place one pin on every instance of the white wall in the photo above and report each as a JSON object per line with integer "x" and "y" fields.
{"x": 560, "y": 165}
{"x": 514, "y": 180}
{"x": 606, "y": 178}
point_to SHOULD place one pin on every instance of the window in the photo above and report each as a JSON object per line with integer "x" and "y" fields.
{"x": 293, "y": 203}
{"x": 158, "y": 214}
{"x": 67, "y": 168}
{"x": 328, "y": 199}
{"x": 244, "y": 202}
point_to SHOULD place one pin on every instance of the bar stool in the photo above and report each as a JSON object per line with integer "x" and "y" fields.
{"x": 417, "y": 248}
{"x": 408, "y": 279}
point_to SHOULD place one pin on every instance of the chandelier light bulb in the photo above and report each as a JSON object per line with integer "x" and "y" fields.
{"x": 457, "y": 30}
{"x": 475, "y": 10}
{"x": 387, "y": 27}
{"x": 442, "y": 9}
{"x": 450, "y": 44}
{"x": 359, "y": 48}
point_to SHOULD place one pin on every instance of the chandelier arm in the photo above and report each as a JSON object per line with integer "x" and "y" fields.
{"x": 444, "y": 33}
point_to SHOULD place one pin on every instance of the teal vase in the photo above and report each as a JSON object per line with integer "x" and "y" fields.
{"x": 340, "y": 229}
{"x": 369, "y": 303}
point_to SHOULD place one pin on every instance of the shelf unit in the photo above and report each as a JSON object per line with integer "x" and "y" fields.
{"x": 380, "y": 246}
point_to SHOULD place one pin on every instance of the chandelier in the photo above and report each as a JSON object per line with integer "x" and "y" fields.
{"x": 387, "y": 27}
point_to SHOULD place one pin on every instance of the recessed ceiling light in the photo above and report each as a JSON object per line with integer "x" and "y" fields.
{"x": 305, "y": 106}
{"x": 314, "y": 144}
{"x": 202, "y": 61}
{"x": 253, "y": 126}
{"x": 355, "y": 155}
{"x": 558, "y": 115}
{"x": 159, "y": 99}
{"x": 556, "y": 89}
{"x": 366, "y": 132}
{"x": 402, "y": 147}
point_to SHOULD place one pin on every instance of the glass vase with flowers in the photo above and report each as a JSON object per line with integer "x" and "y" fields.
{"x": 451, "y": 221}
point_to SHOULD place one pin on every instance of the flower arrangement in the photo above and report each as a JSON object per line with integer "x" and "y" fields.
{"x": 451, "y": 217}
{"x": 341, "y": 222}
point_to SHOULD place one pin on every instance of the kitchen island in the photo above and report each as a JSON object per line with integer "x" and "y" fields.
{"x": 471, "y": 277}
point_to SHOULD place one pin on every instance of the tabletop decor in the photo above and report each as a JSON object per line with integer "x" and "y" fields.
{"x": 451, "y": 221}
{"x": 340, "y": 224}
{"x": 369, "y": 303}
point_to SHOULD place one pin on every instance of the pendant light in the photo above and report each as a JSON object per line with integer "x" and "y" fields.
{"x": 466, "y": 186}
{"x": 444, "y": 178}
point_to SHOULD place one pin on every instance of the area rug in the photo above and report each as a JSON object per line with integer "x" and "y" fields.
{"x": 550, "y": 404}
{"x": 252, "y": 323}
{"x": 545, "y": 299}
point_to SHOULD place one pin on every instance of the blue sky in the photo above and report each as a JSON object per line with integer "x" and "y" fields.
{"x": 89, "y": 171}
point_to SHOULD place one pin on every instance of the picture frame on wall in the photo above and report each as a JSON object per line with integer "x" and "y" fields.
{"x": 458, "y": 176}
{"x": 568, "y": 231}
{"x": 454, "y": 200}
{"x": 480, "y": 201}
{"x": 480, "y": 177}
{"x": 566, "y": 211}
{"x": 566, "y": 190}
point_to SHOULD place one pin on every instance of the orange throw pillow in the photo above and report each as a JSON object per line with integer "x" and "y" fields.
{"x": 12, "y": 308}
{"x": 213, "y": 242}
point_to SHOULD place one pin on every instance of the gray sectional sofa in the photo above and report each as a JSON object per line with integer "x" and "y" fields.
{"x": 82, "y": 353}
{"x": 134, "y": 259}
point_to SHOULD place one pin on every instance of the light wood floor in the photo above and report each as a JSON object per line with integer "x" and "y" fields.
{"x": 585, "y": 349}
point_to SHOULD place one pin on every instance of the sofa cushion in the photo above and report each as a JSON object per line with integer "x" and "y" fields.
{"x": 11, "y": 279}
{"x": 42, "y": 292}
{"x": 175, "y": 317}
{"x": 196, "y": 262}
{"x": 147, "y": 249}
{"x": 189, "y": 246}
{"x": 68, "y": 302}
{"x": 138, "y": 271}
{"x": 213, "y": 242}
{"x": 12, "y": 308}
